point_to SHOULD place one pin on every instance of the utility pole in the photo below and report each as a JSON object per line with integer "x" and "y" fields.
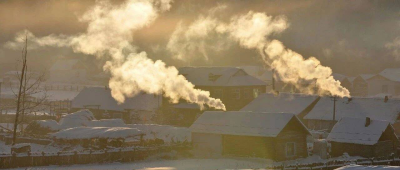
{"x": 334, "y": 111}
{"x": 273, "y": 80}
{"x": 24, "y": 54}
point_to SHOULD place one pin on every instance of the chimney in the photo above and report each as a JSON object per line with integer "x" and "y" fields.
{"x": 367, "y": 121}
{"x": 386, "y": 99}
{"x": 349, "y": 99}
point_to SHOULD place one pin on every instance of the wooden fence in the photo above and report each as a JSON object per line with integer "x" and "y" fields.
{"x": 330, "y": 165}
{"x": 85, "y": 157}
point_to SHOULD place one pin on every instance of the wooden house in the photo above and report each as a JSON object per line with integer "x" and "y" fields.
{"x": 232, "y": 85}
{"x": 363, "y": 137}
{"x": 321, "y": 117}
{"x": 277, "y": 136}
{"x": 103, "y": 105}
{"x": 387, "y": 82}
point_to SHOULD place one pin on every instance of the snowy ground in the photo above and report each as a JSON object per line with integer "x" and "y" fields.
{"x": 358, "y": 167}
{"x": 190, "y": 164}
{"x": 6, "y": 149}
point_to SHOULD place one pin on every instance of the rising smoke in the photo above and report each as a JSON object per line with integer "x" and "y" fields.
{"x": 109, "y": 34}
{"x": 252, "y": 31}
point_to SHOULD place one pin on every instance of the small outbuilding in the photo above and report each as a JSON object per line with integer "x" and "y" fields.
{"x": 363, "y": 137}
{"x": 277, "y": 136}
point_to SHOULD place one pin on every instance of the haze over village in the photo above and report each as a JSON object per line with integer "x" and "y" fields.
{"x": 185, "y": 84}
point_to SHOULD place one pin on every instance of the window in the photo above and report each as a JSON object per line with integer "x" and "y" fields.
{"x": 218, "y": 93}
{"x": 236, "y": 93}
{"x": 247, "y": 93}
{"x": 290, "y": 149}
{"x": 255, "y": 93}
{"x": 385, "y": 89}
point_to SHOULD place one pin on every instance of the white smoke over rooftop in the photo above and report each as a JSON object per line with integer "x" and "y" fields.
{"x": 252, "y": 31}
{"x": 109, "y": 34}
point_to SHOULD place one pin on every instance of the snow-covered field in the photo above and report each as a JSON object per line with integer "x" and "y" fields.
{"x": 190, "y": 164}
{"x": 359, "y": 167}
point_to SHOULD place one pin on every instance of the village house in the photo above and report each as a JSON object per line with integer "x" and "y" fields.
{"x": 68, "y": 71}
{"x": 386, "y": 82}
{"x": 363, "y": 137}
{"x": 99, "y": 100}
{"x": 321, "y": 117}
{"x": 232, "y": 85}
{"x": 277, "y": 136}
{"x": 298, "y": 104}
{"x": 360, "y": 85}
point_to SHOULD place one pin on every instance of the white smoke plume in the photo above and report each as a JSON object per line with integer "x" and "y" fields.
{"x": 252, "y": 31}
{"x": 109, "y": 34}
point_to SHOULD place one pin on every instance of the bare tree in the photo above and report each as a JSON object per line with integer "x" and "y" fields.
{"x": 29, "y": 85}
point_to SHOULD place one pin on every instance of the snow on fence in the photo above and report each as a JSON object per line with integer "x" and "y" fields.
{"x": 85, "y": 157}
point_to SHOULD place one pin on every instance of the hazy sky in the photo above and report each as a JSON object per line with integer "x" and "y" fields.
{"x": 351, "y": 37}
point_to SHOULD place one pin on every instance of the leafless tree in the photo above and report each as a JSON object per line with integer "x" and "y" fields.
{"x": 29, "y": 85}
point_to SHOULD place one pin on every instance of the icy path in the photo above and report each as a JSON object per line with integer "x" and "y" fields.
{"x": 192, "y": 164}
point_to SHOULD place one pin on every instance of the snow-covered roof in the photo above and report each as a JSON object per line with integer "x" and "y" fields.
{"x": 100, "y": 97}
{"x": 50, "y": 124}
{"x": 96, "y": 132}
{"x": 79, "y": 118}
{"x": 357, "y": 107}
{"x": 107, "y": 123}
{"x": 281, "y": 103}
{"x": 366, "y": 76}
{"x": 20, "y": 145}
{"x": 64, "y": 65}
{"x": 56, "y": 95}
{"x": 353, "y": 130}
{"x": 219, "y": 76}
{"x": 258, "y": 72}
{"x": 392, "y": 74}
{"x": 242, "y": 123}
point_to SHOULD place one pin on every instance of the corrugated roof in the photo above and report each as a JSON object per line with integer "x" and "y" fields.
{"x": 242, "y": 123}
{"x": 281, "y": 103}
{"x": 353, "y": 130}
{"x": 224, "y": 76}
{"x": 375, "y": 108}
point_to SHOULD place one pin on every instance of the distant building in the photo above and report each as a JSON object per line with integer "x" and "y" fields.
{"x": 363, "y": 137}
{"x": 68, "y": 71}
{"x": 360, "y": 85}
{"x": 321, "y": 116}
{"x": 232, "y": 85}
{"x": 103, "y": 105}
{"x": 386, "y": 82}
{"x": 277, "y": 136}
